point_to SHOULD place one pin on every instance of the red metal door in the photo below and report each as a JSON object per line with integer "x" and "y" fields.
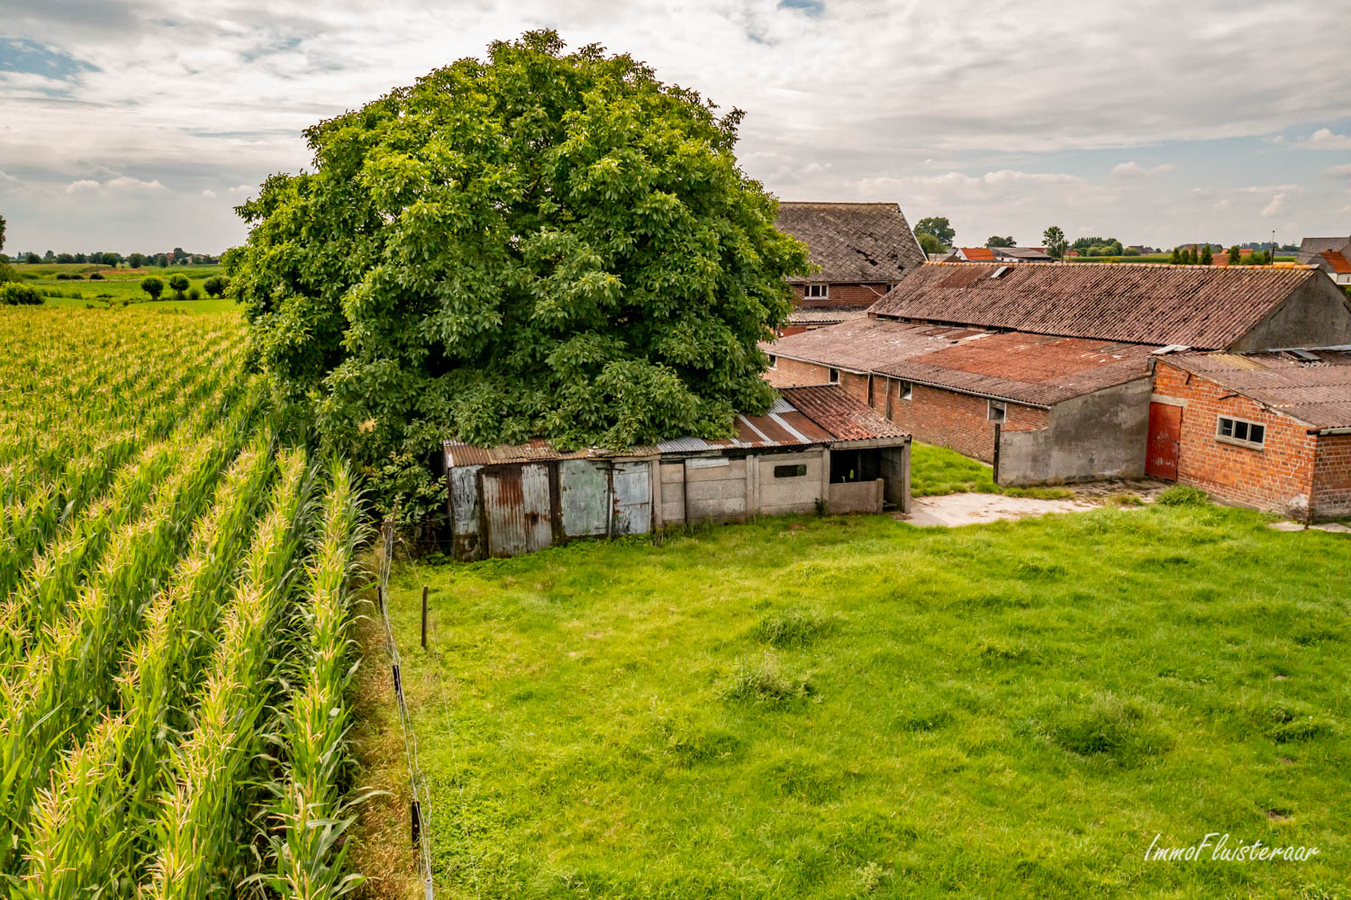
{"x": 1165, "y": 439}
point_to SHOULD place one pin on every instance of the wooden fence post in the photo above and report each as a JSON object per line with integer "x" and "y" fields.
{"x": 424, "y": 617}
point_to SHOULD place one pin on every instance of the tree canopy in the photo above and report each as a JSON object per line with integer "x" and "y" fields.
{"x": 997, "y": 241}
{"x": 539, "y": 244}
{"x": 929, "y": 244}
{"x": 1054, "y": 238}
{"x": 939, "y": 227}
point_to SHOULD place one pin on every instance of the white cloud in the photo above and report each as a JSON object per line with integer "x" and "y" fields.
{"x": 127, "y": 183}
{"x": 1342, "y": 171}
{"x": 1133, "y": 169}
{"x": 242, "y": 189}
{"x": 209, "y": 194}
{"x": 83, "y": 186}
{"x": 1325, "y": 139}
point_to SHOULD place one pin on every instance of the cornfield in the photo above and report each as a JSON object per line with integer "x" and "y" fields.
{"x": 174, "y": 648}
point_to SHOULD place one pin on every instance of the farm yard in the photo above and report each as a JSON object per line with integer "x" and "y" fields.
{"x": 174, "y": 663}
{"x": 841, "y": 707}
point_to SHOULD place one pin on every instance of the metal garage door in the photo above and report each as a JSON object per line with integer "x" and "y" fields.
{"x": 632, "y": 485}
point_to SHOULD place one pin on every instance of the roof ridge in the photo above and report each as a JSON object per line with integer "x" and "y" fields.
{"x": 841, "y": 202}
{"x": 1293, "y": 267}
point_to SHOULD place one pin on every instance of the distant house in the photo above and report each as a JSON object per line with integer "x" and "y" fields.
{"x": 1003, "y": 254}
{"x": 1043, "y": 370}
{"x": 859, "y": 250}
{"x": 1332, "y": 255}
{"x": 1269, "y": 429}
{"x": 817, "y": 448}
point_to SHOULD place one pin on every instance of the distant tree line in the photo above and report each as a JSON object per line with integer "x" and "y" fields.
{"x": 179, "y": 257}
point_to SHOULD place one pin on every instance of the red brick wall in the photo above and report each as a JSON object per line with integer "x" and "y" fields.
{"x": 791, "y": 373}
{"x": 859, "y": 296}
{"x": 1332, "y": 475}
{"x": 1279, "y": 477}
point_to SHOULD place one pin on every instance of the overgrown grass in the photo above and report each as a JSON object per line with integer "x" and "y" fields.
{"x": 837, "y": 707}
{"x": 937, "y": 470}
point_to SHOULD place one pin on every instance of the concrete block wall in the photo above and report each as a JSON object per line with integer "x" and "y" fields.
{"x": 1279, "y": 477}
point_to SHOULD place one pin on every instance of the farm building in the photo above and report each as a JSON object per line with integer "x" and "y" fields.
{"x": 1332, "y": 255}
{"x": 859, "y": 251}
{"x": 1268, "y": 429}
{"x": 1043, "y": 371}
{"x": 816, "y": 449}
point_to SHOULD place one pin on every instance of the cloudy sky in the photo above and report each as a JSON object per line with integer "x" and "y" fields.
{"x": 139, "y": 124}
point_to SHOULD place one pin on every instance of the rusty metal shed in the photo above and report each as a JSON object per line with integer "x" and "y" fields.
{"x": 816, "y": 448}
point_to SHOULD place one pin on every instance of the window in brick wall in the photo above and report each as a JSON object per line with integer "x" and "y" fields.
{"x": 815, "y": 291}
{"x": 773, "y": 361}
{"x": 1240, "y": 431}
{"x": 790, "y": 471}
{"x": 905, "y": 390}
{"x": 997, "y": 412}
{"x": 834, "y": 376}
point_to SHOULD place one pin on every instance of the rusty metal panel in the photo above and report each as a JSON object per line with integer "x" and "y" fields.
{"x": 584, "y": 485}
{"x": 516, "y": 508}
{"x": 464, "y": 511}
{"x": 631, "y": 486}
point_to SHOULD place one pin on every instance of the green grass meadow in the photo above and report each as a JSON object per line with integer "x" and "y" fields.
{"x": 939, "y": 470}
{"x": 119, "y": 285}
{"x": 848, "y": 707}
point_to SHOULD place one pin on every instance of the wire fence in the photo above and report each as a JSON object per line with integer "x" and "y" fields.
{"x": 421, "y": 800}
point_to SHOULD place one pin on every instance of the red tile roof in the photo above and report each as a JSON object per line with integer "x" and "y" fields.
{"x": 1208, "y": 307}
{"x": 1317, "y": 392}
{"x": 978, "y": 254}
{"x": 1337, "y": 262}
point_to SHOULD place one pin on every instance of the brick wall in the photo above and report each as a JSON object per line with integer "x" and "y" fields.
{"x": 858, "y": 296}
{"x": 791, "y": 373}
{"x": 1332, "y": 475}
{"x": 1278, "y": 477}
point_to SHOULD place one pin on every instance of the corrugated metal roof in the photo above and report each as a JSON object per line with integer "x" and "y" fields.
{"x": 800, "y": 417}
{"x": 978, "y": 253}
{"x": 461, "y": 454}
{"x": 867, "y": 243}
{"x": 1317, "y": 393}
{"x": 800, "y": 316}
{"x": 1199, "y": 306}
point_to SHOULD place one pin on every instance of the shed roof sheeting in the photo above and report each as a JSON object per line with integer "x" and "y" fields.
{"x": 1337, "y": 262}
{"x": 1197, "y": 306}
{"x": 1037, "y": 369}
{"x": 800, "y": 316}
{"x": 806, "y": 416}
{"x": 852, "y": 243}
{"x": 1317, "y": 393}
{"x": 863, "y": 345}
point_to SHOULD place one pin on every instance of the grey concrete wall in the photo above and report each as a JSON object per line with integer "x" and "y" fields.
{"x": 798, "y": 494}
{"x": 715, "y": 492}
{"x": 855, "y": 497}
{"x": 896, "y": 471}
{"x": 1315, "y": 315}
{"x": 1099, "y": 435}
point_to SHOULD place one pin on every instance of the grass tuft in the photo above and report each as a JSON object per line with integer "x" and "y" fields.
{"x": 1112, "y": 728}
{"x": 762, "y": 682}
{"x": 793, "y": 628}
{"x": 1183, "y": 495}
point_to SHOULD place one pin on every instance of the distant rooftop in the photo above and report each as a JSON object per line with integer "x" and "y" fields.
{"x": 867, "y": 243}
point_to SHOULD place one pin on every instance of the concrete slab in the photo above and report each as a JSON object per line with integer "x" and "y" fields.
{"x": 1334, "y": 527}
{"x": 1286, "y": 526}
{"x": 952, "y": 510}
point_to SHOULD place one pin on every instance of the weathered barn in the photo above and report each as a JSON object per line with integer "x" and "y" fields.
{"x": 1043, "y": 370}
{"x": 1269, "y": 429}
{"x": 859, "y": 251}
{"x": 816, "y": 449}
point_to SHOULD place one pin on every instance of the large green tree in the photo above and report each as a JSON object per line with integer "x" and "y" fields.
{"x": 997, "y": 241}
{"x": 939, "y": 227}
{"x": 540, "y": 244}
